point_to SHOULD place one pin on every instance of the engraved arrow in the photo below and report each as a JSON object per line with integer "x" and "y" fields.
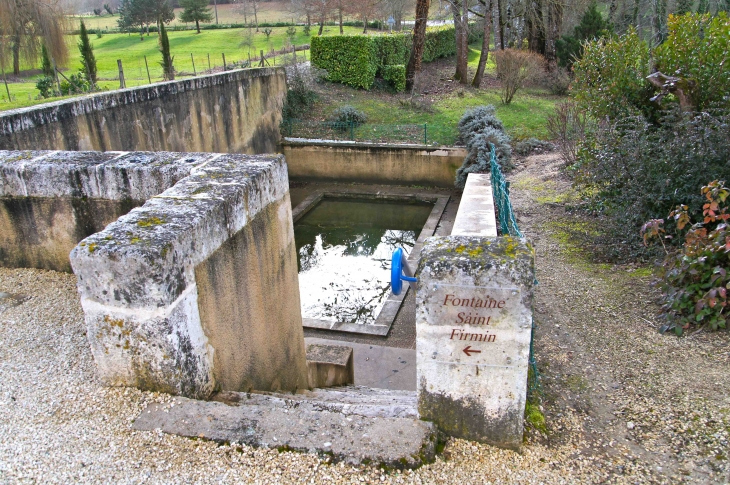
{"x": 468, "y": 351}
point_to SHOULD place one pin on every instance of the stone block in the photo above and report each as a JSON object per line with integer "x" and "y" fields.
{"x": 474, "y": 324}
{"x": 330, "y": 365}
{"x": 196, "y": 290}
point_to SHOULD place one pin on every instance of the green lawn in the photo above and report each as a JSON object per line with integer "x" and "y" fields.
{"x": 132, "y": 51}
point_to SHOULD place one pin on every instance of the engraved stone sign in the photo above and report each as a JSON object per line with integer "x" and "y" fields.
{"x": 474, "y": 324}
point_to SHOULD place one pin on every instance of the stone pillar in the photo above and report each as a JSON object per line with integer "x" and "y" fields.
{"x": 474, "y": 324}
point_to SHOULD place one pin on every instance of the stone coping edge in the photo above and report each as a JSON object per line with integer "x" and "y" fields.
{"x": 294, "y": 142}
{"x": 13, "y": 121}
{"x": 149, "y": 255}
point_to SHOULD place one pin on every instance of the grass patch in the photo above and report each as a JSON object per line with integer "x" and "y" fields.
{"x": 525, "y": 117}
{"x": 535, "y": 418}
{"x": 131, "y": 51}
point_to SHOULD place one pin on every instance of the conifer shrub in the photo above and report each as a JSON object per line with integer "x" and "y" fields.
{"x": 478, "y": 128}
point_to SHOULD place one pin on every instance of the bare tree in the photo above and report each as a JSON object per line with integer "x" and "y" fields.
{"x": 488, "y": 6}
{"x": 419, "y": 39}
{"x": 23, "y": 23}
{"x": 460, "y": 11}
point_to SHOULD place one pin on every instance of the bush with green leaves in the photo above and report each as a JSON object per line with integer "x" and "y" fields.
{"x": 636, "y": 170}
{"x": 439, "y": 42}
{"x": 396, "y": 76}
{"x": 45, "y": 87}
{"x": 348, "y": 59}
{"x": 479, "y": 127}
{"x": 75, "y": 84}
{"x": 610, "y": 78}
{"x": 695, "y": 279}
{"x": 697, "y": 49}
{"x": 391, "y": 50}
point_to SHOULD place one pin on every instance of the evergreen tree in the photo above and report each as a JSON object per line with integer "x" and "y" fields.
{"x": 592, "y": 26}
{"x": 195, "y": 11}
{"x": 88, "y": 61}
{"x": 46, "y": 64}
{"x": 703, "y": 7}
{"x": 683, "y": 7}
{"x": 167, "y": 68}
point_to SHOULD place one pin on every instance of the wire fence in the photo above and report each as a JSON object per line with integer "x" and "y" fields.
{"x": 148, "y": 70}
{"x": 508, "y": 227}
{"x": 367, "y": 132}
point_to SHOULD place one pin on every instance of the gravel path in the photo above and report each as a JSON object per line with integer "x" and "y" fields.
{"x": 623, "y": 404}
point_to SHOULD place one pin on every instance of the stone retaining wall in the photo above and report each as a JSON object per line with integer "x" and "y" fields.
{"x": 231, "y": 112}
{"x": 372, "y": 163}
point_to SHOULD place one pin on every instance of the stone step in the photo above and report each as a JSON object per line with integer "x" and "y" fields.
{"x": 351, "y": 424}
{"x": 348, "y": 400}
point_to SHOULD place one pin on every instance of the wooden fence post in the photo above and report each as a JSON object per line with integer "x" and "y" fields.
{"x": 193, "y": 61}
{"x": 149, "y": 79}
{"x": 122, "y": 84}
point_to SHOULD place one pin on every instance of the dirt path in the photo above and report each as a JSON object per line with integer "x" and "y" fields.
{"x": 642, "y": 406}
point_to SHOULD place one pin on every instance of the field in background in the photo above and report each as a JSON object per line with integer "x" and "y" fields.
{"x": 132, "y": 51}
{"x": 268, "y": 12}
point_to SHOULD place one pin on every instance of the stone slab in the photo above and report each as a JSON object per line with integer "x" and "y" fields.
{"x": 476, "y": 216}
{"x": 474, "y": 325}
{"x": 355, "y": 426}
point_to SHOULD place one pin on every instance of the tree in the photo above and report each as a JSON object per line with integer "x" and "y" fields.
{"x": 23, "y": 23}
{"x": 142, "y": 13}
{"x": 592, "y": 26}
{"x": 419, "y": 39}
{"x": 487, "y": 21}
{"x": 460, "y": 11}
{"x": 195, "y": 11}
{"x": 87, "y": 56}
{"x": 46, "y": 64}
{"x": 167, "y": 67}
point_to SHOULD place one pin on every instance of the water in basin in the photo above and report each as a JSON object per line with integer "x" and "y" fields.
{"x": 344, "y": 248}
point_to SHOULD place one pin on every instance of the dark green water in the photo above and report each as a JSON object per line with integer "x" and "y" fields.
{"x": 344, "y": 248}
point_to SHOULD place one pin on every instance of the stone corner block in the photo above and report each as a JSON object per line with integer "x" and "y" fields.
{"x": 474, "y": 326}
{"x": 148, "y": 318}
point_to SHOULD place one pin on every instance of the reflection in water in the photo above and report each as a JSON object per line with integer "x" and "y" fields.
{"x": 344, "y": 249}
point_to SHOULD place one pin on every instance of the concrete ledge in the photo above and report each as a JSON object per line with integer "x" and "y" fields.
{"x": 476, "y": 216}
{"x": 372, "y": 163}
{"x": 234, "y": 111}
{"x": 50, "y": 200}
{"x": 330, "y": 365}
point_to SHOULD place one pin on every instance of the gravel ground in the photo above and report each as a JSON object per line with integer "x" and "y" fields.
{"x": 623, "y": 404}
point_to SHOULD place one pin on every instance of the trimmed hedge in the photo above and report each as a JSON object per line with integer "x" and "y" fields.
{"x": 391, "y": 50}
{"x": 355, "y": 60}
{"x": 396, "y": 76}
{"x": 348, "y": 59}
{"x": 440, "y": 42}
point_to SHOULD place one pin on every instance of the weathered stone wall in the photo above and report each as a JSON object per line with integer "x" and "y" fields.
{"x": 196, "y": 290}
{"x": 373, "y": 163}
{"x": 49, "y": 201}
{"x": 232, "y": 112}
